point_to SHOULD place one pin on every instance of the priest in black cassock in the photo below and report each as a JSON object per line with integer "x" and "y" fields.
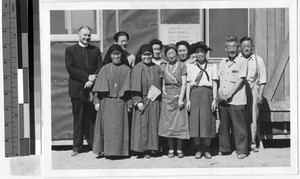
{"x": 83, "y": 62}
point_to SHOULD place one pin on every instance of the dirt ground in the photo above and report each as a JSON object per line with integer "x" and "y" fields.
{"x": 274, "y": 155}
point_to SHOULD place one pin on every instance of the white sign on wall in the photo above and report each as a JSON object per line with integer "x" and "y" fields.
{"x": 172, "y": 33}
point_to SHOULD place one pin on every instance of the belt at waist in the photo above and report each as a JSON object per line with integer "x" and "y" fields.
{"x": 202, "y": 87}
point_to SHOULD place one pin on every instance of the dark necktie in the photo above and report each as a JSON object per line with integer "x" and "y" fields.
{"x": 200, "y": 75}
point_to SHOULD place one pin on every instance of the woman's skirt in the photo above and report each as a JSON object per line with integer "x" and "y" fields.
{"x": 202, "y": 120}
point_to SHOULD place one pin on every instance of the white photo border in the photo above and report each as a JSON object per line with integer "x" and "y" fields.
{"x": 46, "y": 162}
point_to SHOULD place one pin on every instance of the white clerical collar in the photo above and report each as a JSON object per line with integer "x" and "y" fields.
{"x": 82, "y": 45}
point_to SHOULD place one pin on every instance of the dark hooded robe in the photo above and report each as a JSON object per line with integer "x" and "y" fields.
{"x": 144, "y": 133}
{"x": 112, "y": 89}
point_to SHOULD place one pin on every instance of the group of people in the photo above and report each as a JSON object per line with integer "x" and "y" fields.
{"x": 144, "y": 103}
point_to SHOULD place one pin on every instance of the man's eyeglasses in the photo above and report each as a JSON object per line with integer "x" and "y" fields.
{"x": 246, "y": 46}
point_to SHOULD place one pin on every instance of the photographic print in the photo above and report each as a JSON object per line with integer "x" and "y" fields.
{"x": 231, "y": 112}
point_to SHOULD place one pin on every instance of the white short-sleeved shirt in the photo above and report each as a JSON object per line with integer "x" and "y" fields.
{"x": 257, "y": 66}
{"x": 229, "y": 72}
{"x": 193, "y": 70}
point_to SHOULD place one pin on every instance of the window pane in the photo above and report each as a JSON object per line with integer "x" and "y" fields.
{"x": 141, "y": 25}
{"x": 224, "y": 22}
{"x": 109, "y": 28}
{"x": 180, "y": 16}
{"x": 68, "y": 22}
{"x": 57, "y": 21}
{"x": 82, "y": 18}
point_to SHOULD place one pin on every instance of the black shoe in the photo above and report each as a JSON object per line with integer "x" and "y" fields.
{"x": 143, "y": 155}
{"x": 155, "y": 153}
{"x": 100, "y": 155}
{"x": 74, "y": 153}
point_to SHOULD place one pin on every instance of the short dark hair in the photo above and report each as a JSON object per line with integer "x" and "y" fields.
{"x": 232, "y": 38}
{"x": 185, "y": 43}
{"x": 169, "y": 47}
{"x": 246, "y": 39}
{"x": 84, "y": 27}
{"x": 156, "y": 42}
{"x": 121, "y": 33}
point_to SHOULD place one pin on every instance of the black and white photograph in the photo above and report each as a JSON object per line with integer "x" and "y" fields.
{"x": 145, "y": 89}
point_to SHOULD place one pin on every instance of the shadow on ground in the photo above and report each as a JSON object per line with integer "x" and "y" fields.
{"x": 189, "y": 147}
{"x": 278, "y": 143}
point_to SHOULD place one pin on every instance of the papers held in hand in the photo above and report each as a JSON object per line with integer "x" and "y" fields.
{"x": 153, "y": 93}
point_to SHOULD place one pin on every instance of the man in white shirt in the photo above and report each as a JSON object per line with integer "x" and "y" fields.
{"x": 256, "y": 81}
{"x": 233, "y": 100}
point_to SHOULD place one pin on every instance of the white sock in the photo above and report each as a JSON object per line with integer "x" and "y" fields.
{"x": 171, "y": 151}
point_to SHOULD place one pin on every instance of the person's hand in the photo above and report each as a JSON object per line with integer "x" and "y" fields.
{"x": 188, "y": 105}
{"x": 97, "y": 106}
{"x": 140, "y": 106}
{"x": 214, "y": 105}
{"x": 228, "y": 97}
{"x": 129, "y": 109}
{"x": 180, "y": 103}
{"x": 260, "y": 100}
{"x": 92, "y": 77}
{"x": 88, "y": 84}
{"x": 131, "y": 59}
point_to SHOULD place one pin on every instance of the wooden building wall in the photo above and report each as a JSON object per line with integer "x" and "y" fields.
{"x": 270, "y": 30}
